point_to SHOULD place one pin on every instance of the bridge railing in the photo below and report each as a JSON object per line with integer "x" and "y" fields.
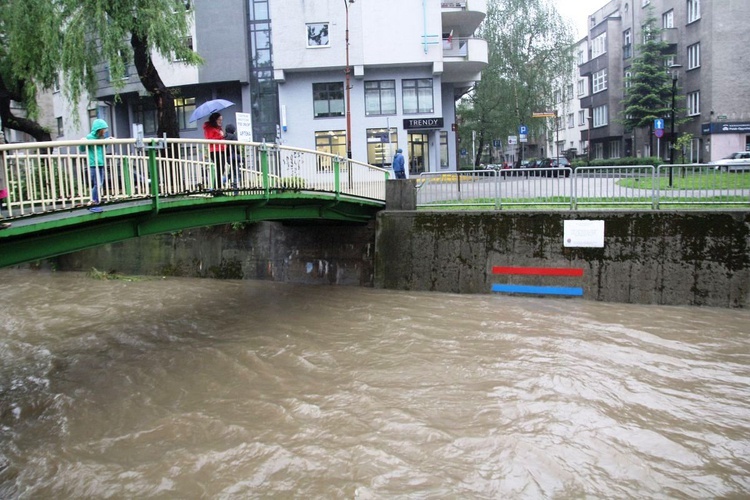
{"x": 632, "y": 186}
{"x": 51, "y": 176}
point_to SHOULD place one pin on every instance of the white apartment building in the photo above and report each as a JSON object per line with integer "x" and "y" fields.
{"x": 570, "y": 135}
{"x": 408, "y": 63}
{"x": 284, "y": 62}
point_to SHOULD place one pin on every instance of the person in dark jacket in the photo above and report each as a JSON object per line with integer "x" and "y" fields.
{"x": 398, "y": 164}
{"x": 233, "y": 154}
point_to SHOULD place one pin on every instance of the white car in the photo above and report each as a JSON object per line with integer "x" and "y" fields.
{"x": 735, "y": 162}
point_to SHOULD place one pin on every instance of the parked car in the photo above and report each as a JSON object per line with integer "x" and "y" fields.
{"x": 735, "y": 162}
{"x": 529, "y": 165}
{"x": 556, "y": 162}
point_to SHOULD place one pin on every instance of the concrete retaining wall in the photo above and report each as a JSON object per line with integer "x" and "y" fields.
{"x": 312, "y": 254}
{"x": 675, "y": 258}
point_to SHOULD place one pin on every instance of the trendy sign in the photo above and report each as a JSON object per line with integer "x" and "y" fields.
{"x": 422, "y": 123}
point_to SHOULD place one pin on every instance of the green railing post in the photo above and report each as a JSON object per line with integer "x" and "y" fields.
{"x": 337, "y": 176}
{"x": 264, "y": 170}
{"x": 126, "y": 176}
{"x": 153, "y": 172}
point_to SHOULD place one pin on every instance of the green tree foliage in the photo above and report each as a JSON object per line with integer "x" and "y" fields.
{"x": 530, "y": 51}
{"x": 43, "y": 40}
{"x": 649, "y": 88}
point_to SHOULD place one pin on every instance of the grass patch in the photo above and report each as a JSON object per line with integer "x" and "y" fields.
{"x": 681, "y": 180}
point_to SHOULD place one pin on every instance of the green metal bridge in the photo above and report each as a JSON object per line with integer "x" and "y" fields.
{"x": 168, "y": 185}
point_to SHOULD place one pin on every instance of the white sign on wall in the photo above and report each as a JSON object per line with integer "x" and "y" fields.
{"x": 583, "y": 233}
{"x": 244, "y": 127}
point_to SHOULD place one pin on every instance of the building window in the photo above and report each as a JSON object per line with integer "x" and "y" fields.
{"x": 599, "y": 81}
{"x": 693, "y": 10}
{"x": 188, "y": 42}
{"x": 380, "y": 97}
{"x": 145, "y": 114}
{"x": 328, "y": 99}
{"x": 184, "y": 108}
{"x": 581, "y": 57}
{"x": 581, "y": 87}
{"x": 332, "y": 142}
{"x": 569, "y": 92}
{"x": 627, "y": 82}
{"x": 694, "y": 56}
{"x": 380, "y": 149}
{"x": 444, "y": 158}
{"x": 417, "y": 96}
{"x": 126, "y": 68}
{"x": 558, "y": 96}
{"x": 627, "y": 44}
{"x": 669, "y": 61}
{"x": 600, "y": 116}
{"x": 599, "y": 45}
{"x": 582, "y": 117}
{"x": 599, "y": 151}
{"x": 667, "y": 19}
{"x": 694, "y": 103}
{"x": 614, "y": 149}
{"x": 60, "y": 129}
{"x": 571, "y": 120}
{"x": 317, "y": 35}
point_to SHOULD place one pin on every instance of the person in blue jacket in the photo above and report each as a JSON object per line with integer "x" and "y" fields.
{"x": 398, "y": 164}
{"x": 96, "y": 158}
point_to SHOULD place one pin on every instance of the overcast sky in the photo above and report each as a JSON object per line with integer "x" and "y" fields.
{"x": 577, "y": 12}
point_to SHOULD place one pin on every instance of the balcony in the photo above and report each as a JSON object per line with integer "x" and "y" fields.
{"x": 463, "y": 16}
{"x": 463, "y": 59}
{"x": 670, "y": 35}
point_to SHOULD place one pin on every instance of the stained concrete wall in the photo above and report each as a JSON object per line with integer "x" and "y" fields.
{"x": 312, "y": 254}
{"x": 648, "y": 257}
{"x": 674, "y": 258}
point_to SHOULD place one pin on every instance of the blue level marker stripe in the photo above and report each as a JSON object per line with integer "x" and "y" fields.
{"x": 539, "y": 290}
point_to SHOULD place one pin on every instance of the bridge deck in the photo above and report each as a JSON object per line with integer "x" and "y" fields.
{"x": 179, "y": 184}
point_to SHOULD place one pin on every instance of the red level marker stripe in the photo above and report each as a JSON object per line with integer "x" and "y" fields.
{"x": 539, "y": 271}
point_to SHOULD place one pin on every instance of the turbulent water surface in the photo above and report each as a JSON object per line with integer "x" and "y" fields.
{"x": 189, "y": 388}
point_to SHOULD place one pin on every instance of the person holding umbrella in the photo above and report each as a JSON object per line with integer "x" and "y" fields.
{"x": 213, "y": 131}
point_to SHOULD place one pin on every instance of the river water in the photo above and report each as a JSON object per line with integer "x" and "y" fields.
{"x": 191, "y": 388}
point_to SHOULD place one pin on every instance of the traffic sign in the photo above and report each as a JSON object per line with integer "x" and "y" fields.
{"x": 512, "y": 140}
{"x": 523, "y": 130}
{"x": 659, "y": 124}
{"x": 523, "y": 138}
{"x": 659, "y": 132}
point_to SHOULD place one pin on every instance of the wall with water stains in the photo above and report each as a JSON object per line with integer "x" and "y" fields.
{"x": 312, "y": 253}
{"x": 676, "y": 258}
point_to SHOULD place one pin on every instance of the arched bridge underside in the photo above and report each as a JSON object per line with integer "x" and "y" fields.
{"x": 145, "y": 192}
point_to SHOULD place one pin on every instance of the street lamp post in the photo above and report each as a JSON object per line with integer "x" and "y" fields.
{"x": 671, "y": 131}
{"x": 347, "y": 84}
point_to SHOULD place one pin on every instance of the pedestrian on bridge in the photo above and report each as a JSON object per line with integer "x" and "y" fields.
{"x": 398, "y": 164}
{"x": 213, "y": 131}
{"x": 3, "y": 182}
{"x": 96, "y": 159}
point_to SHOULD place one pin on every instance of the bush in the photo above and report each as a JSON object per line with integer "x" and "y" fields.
{"x": 626, "y": 160}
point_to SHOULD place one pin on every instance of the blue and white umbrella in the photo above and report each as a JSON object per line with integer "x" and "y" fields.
{"x": 209, "y": 107}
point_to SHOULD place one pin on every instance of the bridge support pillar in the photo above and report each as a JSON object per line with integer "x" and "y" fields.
{"x": 401, "y": 194}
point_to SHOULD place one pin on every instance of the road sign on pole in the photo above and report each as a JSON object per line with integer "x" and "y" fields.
{"x": 523, "y": 130}
{"x": 659, "y": 124}
{"x": 659, "y": 132}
